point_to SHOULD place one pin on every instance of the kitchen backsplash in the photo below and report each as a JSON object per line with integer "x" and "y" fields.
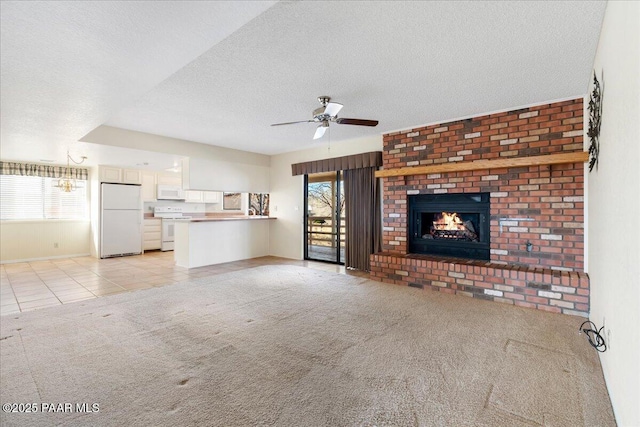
{"x": 196, "y": 207}
{"x": 186, "y": 207}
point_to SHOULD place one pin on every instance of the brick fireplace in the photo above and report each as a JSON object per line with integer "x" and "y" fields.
{"x": 535, "y": 248}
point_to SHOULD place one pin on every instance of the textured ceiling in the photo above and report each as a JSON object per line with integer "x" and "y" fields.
{"x": 221, "y": 77}
{"x": 66, "y": 67}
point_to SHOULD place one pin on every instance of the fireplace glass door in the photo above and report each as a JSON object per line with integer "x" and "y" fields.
{"x": 450, "y": 225}
{"x": 325, "y": 228}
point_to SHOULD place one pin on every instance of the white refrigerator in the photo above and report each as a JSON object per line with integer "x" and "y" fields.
{"x": 121, "y": 220}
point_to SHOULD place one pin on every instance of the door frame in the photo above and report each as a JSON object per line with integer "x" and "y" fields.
{"x": 335, "y": 219}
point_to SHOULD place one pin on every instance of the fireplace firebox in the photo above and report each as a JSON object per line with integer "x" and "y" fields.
{"x": 455, "y": 225}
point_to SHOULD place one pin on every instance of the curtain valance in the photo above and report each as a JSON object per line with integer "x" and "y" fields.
{"x": 356, "y": 161}
{"x": 45, "y": 171}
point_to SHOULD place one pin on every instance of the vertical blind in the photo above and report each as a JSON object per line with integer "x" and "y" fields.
{"x": 36, "y": 197}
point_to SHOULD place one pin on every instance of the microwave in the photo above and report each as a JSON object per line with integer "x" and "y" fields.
{"x": 170, "y": 192}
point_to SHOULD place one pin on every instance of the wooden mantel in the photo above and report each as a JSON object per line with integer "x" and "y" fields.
{"x": 510, "y": 162}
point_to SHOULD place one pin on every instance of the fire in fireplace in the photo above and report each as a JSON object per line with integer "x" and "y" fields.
{"x": 454, "y": 225}
{"x": 450, "y": 226}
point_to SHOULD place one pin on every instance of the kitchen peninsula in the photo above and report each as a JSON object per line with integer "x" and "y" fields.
{"x": 207, "y": 241}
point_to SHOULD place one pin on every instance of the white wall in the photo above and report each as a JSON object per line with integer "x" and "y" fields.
{"x": 221, "y": 174}
{"x": 287, "y": 196}
{"x": 216, "y": 168}
{"x": 614, "y": 209}
{"x": 33, "y": 240}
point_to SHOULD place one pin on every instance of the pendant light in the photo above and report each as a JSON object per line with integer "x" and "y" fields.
{"x": 68, "y": 184}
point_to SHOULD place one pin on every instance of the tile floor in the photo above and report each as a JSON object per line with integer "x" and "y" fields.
{"x": 32, "y": 285}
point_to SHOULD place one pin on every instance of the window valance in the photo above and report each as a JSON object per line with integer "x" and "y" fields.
{"x": 45, "y": 171}
{"x": 356, "y": 161}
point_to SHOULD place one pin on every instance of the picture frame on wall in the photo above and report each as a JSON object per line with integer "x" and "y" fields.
{"x": 231, "y": 201}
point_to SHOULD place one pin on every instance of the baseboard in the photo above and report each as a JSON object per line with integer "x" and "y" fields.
{"x": 14, "y": 261}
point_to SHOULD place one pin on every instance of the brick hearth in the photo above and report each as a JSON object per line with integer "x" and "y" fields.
{"x": 550, "y": 198}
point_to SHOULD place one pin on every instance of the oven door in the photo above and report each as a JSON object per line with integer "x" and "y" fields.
{"x": 168, "y": 230}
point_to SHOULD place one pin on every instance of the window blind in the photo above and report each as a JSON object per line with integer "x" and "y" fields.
{"x": 35, "y": 197}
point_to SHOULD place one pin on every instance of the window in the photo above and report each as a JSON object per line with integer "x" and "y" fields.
{"x": 34, "y": 197}
{"x": 259, "y": 204}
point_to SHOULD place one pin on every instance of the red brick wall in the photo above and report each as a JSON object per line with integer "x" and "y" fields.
{"x": 543, "y": 289}
{"x": 551, "y": 197}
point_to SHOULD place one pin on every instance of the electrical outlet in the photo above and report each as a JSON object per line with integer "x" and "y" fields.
{"x": 55, "y": 245}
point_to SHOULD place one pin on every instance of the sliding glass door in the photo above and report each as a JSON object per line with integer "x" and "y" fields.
{"x": 324, "y": 217}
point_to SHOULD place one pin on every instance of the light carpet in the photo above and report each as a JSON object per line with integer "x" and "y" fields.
{"x": 292, "y": 346}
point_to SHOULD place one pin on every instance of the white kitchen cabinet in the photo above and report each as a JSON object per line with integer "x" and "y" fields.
{"x": 194, "y": 196}
{"x": 191, "y": 196}
{"x": 131, "y": 176}
{"x": 110, "y": 174}
{"x": 148, "y": 181}
{"x": 118, "y": 175}
{"x": 152, "y": 234}
{"x": 211, "y": 196}
{"x": 169, "y": 179}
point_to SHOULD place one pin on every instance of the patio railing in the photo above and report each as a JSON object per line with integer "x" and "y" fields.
{"x": 322, "y": 232}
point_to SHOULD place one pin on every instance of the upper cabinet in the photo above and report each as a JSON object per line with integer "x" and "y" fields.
{"x": 131, "y": 176}
{"x": 191, "y": 196}
{"x": 211, "y": 196}
{"x": 148, "y": 181}
{"x": 151, "y": 180}
{"x": 194, "y": 196}
{"x": 119, "y": 176}
{"x": 110, "y": 174}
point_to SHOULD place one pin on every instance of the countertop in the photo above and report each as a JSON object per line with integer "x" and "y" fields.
{"x": 230, "y": 218}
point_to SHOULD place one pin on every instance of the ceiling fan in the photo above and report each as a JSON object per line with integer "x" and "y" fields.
{"x": 329, "y": 113}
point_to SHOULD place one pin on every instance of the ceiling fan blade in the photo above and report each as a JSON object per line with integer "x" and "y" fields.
{"x": 357, "y": 122}
{"x": 320, "y": 131}
{"x": 291, "y": 123}
{"x": 332, "y": 109}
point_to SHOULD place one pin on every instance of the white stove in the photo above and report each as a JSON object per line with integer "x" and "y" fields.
{"x": 168, "y": 214}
